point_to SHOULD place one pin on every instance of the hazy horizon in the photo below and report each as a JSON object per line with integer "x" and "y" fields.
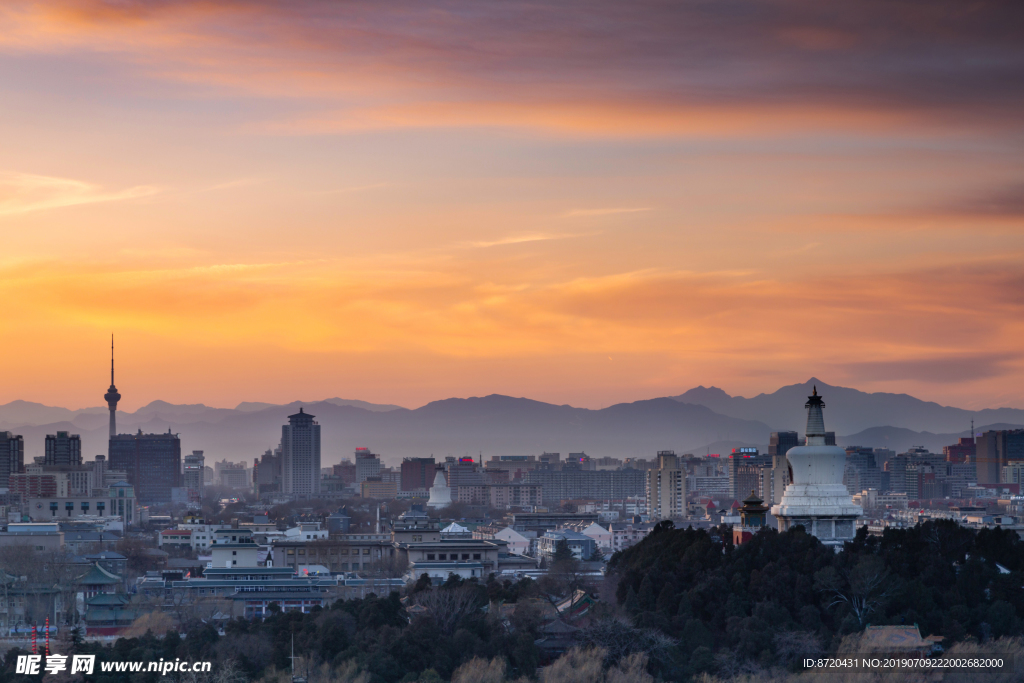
{"x": 133, "y": 406}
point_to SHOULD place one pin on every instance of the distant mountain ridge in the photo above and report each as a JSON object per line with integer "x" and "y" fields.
{"x": 849, "y": 410}
{"x": 463, "y": 426}
{"x": 702, "y": 420}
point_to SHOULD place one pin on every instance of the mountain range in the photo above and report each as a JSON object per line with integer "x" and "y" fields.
{"x": 701, "y": 420}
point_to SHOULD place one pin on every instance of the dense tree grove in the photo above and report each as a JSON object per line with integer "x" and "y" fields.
{"x": 782, "y": 595}
{"x": 680, "y": 604}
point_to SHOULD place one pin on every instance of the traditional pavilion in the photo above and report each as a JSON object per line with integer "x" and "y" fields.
{"x": 753, "y": 518}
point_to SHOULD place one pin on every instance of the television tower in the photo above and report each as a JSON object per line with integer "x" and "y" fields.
{"x": 112, "y": 397}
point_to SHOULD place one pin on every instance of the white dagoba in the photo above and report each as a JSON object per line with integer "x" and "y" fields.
{"x": 818, "y": 499}
{"x": 441, "y": 493}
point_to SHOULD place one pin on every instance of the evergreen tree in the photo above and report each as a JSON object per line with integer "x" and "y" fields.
{"x": 562, "y": 551}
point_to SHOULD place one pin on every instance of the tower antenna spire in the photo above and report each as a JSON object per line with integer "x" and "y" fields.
{"x": 112, "y": 397}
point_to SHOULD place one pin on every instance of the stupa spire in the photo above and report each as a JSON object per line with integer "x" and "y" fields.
{"x": 815, "y": 419}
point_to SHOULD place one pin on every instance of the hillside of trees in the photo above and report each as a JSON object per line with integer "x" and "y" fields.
{"x": 682, "y": 605}
{"x": 780, "y": 596}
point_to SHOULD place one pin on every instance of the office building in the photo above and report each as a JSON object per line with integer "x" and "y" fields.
{"x": 744, "y": 467}
{"x": 116, "y": 501}
{"x": 152, "y": 463}
{"x": 464, "y": 472}
{"x": 375, "y": 488}
{"x": 266, "y": 474}
{"x": 417, "y": 474}
{"x": 195, "y": 465}
{"x": 963, "y": 450}
{"x": 12, "y": 456}
{"x": 861, "y": 472}
{"x": 300, "y": 456}
{"x": 63, "y": 450}
{"x": 665, "y": 488}
{"x": 367, "y": 465}
{"x": 779, "y": 444}
{"x": 232, "y": 475}
{"x": 996, "y": 449}
{"x": 575, "y": 484}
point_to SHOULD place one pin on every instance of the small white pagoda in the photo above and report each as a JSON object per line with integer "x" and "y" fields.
{"x": 440, "y": 492}
{"x": 817, "y": 499}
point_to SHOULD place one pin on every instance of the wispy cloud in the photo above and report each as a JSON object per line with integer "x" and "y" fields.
{"x": 519, "y": 239}
{"x": 24, "y": 193}
{"x": 354, "y": 188}
{"x": 604, "y": 212}
{"x": 240, "y": 182}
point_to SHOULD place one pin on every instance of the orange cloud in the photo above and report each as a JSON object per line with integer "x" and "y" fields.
{"x": 26, "y": 193}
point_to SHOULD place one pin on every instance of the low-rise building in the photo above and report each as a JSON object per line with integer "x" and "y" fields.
{"x": 582, "y": 546}
{"x": 628, "y": 534}
{"x": 306, "y": 531}
{"x": 174, "y": 538}
{"x": 466, "y": 557}
{"x": 233, "y": 548}
{"x": 339, "y": 553}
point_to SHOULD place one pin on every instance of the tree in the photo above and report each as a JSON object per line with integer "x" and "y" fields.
{"x": 597, "y": 555}
{"x": 447, "y": 606}
{"x": 562, "y": 551}
{"x": 861, "y": 588}
{"x": 479, "y": 670}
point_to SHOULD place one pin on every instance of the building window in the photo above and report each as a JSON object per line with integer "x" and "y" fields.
{"x": 476, "y": 556}
{"x": 366, "y": 551}
{"x": 465, "y": 556}
{"x": 430, "y": 556}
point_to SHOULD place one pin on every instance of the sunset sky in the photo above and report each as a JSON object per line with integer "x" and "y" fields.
{"x": 578, "y": 202}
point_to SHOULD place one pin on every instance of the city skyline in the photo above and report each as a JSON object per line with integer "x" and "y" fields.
{"x": 405, "y": 205}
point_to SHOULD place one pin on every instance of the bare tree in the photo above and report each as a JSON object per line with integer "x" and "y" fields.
{"x": 63, "y": 574}
{"x": 862, "y": 588}
{"x": 578, "y": 665}
{"x": 390, "y": 566}
{"x": 446, "y": 606}
{"x": 480, "y": 670}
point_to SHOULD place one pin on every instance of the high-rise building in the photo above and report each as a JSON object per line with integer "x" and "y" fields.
{"x": 997, "y": 449}
{"x": 12, "y": 456}
{"x": 152, "y": 462}
{"x": 417, "y": 474}
{"x": 232, "y": 475}
{"x": 744, "y": 467}
{"x": 195, "y": 465}
{"x": 112, "y": 397}
{"x": 267, "y": 473}
{"x": 862, "y": 472}
{"x": 779, "y": 444}
{"x": 665, "y": 487}
{"x": 577, "y": 484}
{"x": 63, "y": 450}
{"x": 300, "y": 456}
{"x": 367, "y": 464}
{"x": 962, "y": 451}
